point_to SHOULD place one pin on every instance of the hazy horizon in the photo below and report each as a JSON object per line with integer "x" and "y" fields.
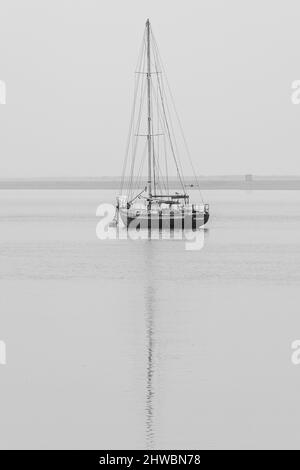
{"x": 171, "y": 177}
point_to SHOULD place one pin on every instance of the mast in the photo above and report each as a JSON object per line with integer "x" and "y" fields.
{"x": 149, "y": 113}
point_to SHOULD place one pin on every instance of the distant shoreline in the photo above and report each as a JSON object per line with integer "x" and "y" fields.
{"x": 247, "y": 182}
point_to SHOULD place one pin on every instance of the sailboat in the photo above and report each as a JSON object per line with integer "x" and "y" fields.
{"x": 157, "y": 200}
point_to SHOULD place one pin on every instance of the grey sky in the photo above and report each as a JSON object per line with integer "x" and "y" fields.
{"x": 69, "y": 65}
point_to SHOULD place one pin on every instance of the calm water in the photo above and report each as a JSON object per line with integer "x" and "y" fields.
{"x": 144, "y": 344}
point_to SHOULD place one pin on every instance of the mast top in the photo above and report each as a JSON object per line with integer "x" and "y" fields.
{"x": 148, "y": 22}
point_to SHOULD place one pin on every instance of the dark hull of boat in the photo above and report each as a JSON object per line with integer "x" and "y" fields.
{"x": 159, "y": 222}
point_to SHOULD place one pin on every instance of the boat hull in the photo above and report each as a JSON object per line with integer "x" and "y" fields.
{"x": 176, "y": 221}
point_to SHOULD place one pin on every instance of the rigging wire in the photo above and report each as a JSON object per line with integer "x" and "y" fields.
{"x": 136, "y": 130}
{"x": 137, "y": 79}
{"x": 178, "y": 118}
{"x": 169, "y": 135}
{"x": 139, "y": 175}
{"x": 168, "y": 116}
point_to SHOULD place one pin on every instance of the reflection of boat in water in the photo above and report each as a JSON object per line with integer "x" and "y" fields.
{"x": 149, "y": 319}
{"x": 149, "y": 202}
